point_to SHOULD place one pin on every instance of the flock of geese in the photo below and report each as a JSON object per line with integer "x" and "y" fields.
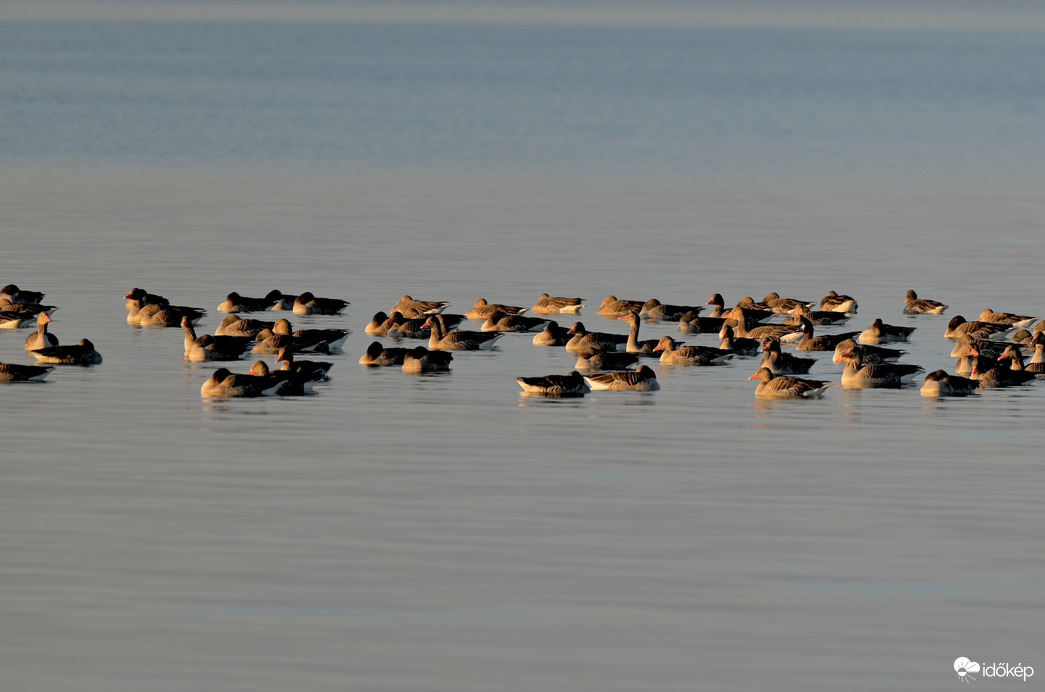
{"x": 991, "y": 351}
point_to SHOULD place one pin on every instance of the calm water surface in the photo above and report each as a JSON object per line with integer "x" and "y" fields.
{"x": 444, "y": 532}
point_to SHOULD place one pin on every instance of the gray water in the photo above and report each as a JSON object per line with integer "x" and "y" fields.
{"x": 445, "y": 532}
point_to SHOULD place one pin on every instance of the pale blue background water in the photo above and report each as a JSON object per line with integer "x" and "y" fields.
{"x": 443, "y": 533}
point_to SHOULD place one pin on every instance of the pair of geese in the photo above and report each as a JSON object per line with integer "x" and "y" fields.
{"x": 42, "y": 344}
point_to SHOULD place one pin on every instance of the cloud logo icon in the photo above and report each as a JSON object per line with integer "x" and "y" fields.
{"x": 963, "y": 666}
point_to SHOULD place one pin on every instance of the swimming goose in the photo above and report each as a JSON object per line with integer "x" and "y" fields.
{"x": 267, "y": 342}
{"x": 378, "y": 355}
{"x": 818, "y": 317}
{"x": 1007, "y": 318}
{"x": 612, "y": 307}
{"x": 553, "y": 335}
{"x": 773, "y": 386}
{"x": 28, "y": 310}
{"x": 207, "y": 347}
{"x": 872, "y": 353}
{"x": 859, "y": 374}
{"x": 655, "y": 310}
{"x": 41, "y": 338}
{"x": 379, "y": 325}
{"x": 913, "y": 305}
{"x": 692, "y": 323}
{"x": 234, "y": 325}
{"x": 587, "y": 342}
{"x": 606, "y": 360}
{"x": 499, "y": 321}
{"x": 633, "y": 345}
{"x": 316, "y": 369}
{"x": 146, "y": 298}
{"x": 225, "y": 384}
{"x": 824, "y": 342}
{"x": 780, "y": 363}
{"x": 783, "y": 306}
{"x": 991, "y": 375}
{"x": 976, "y": 329}
{"x": 15, "y": 320}
{"x": 334, "y": 338}
{"x": 834, "y": 302}
{"x": 641, "y": 380}
{"x": 281, "y": 300}
{"x": 777, "y": 331}
{"x": 412, "y": 309}
{"x": 551, "y": 305}
{"x": 939, "y": 384}
{"x": 13, "y": 372}
{"x": 881, "y": 333}
{"x": 402, "y": 327}
{"x": 81, "y": 353}
{"x": 457, "y": 340}
{"x": 234, "y": 303}
{"x": 421, "y": 360}
{"x": 291, "y": 383}
{"x": 739, "y": 345}
{"x": 483, "y": 310}
{"x": 1014, "y": 355}
{"x": 965, "y": 345}
{"x": 308, "y": 304}
{"x": 13, "y": 294}
{"x": 160, "y": 315}
{"x": 675, "y": 353}
{"x": 555, "y": 385}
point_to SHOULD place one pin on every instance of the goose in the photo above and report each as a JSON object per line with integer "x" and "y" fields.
{"x": 281, "y": 300}
{"x": 551, "y": 305}
{"x": 553, "y": 335}
{"x": 782, "y": 332}
{"x": 675, "y": 353}
{"x": 378, "y": 355}
{"x": 858, "y": 374}
{"x": 572, "y": 384}
{"x": 587, "y": 342}
{"x": 655, "y": 310}
{"x": 225, "y": 384}
{"x": 641, "y": 380}
{"x": 308, "y": 304}
{"x": 1006, "y": 318}
{"x": 739, "y": 345}
{"x": 499, "y": 321}
{"x": 780, "y": 363}
{"x": 12, "y": 294}
{"x": 612, "y": 307}
{"x": 13, "y": 372}
{"x": 411, "y": 308}
{"x": 379, "y": 325}
{"x": 234, "y": 303}
{"x": 976, "y": 329}
{"x": 643, "y": 348}
{"x": 1015, "y": 357}
{"x": 316, "y": 369}
{"x": 334, "y": 338}
{"x": 402, "y": 327}
{"x": 291, "y": 383}
{"x": 834, "y": 302}
{"x": 234, "y": 325}
{"x": 457, "y": 340}
{"x": 41, "y": 338}
{"x": 483, "y": 310}
{"x": 818, "y": 317}
{"x": 824, "y": 342}
{"x": 14, "y": 320}
{"x": 692, "y": 323}
{"x": 26, "y": 310}
{"x": 881, "y": 333}
{"x": 872, "y": 353}
{"x": 208, "y": 347}
{"x": 160, "y": 315}
{"x": 81, "y": 353}
{"x": 773, "y": 386}
{"x": 421, "y": 360}
{"x": 606, "y": 360}
{"x": 965, "y": 345}
{"x": 940, "y": 384}
{"x": 913, "y": 305}
{"x": 990, "y": 375}
{"x": 267, "y": 342}
{"x": 783, "y": 306}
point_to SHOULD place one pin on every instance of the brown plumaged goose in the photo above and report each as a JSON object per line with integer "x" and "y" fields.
{"x": 292, "y": 383}
{"x": 780, "y": 363}
{"x": 633, "y": 345}
{"x": 773, "y": 386}
{"x": 378, "y": 326}
{"x": 939, "y": 383}
{"x": 499, "y": 321}
{"x": 1014, "y": 355}
{"x": 606, "y": 360}
{"x": 823, "y": 342}
{"x": 457, "y": 340}
{"x": 913, "y": 305}
{"x": 674, "y": 353}
{"x": 818, "y": 317}
{"x": 334, "y": 338}
{"x": 569, "y": 385}
{"x": 41, "y": 338}
{"x": 657, "y": 311}
{"x": 235, "y": 303}
{"x": 12, "y": 294}
{"x": 991, "y": 375}
{"x": 641, "y": 380}
{"x": 160, "y": 315}
{"x": 783, "y": 306}
{"x": 316, "y": 369}
{"x": 881, "y": 333}
{"x": 208, "y": 347}
{"x": 551, "y": 305}
{"x": 1007, "y": 318}
{"x": 14, "y": 372}
{"x": 584, "y": 341}
{"x": 413, "y": 309}
{"x": 225, "y": 384}
{"x": 739, "y": 345}
{"x": 80, "y": 353}
{"x": 872, "y": 354}
{"x": 614, "y": 307}
{"x": 861, "y": 375}
{"x": 420, "y": 360}
{"x": 552, "y": 335}
{"x": 234, "y": 325}
{"x": 834, "y": 302}
{"x": 744, "y": 329}
{"x": 976, "y": 329}
{"x": 308, "y": 304}
{"x": 378, "y": 355}
{"x": 483, "y": 310}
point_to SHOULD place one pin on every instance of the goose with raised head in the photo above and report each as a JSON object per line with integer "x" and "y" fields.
{"x": 606, "y": 360}
{"x": 913, "y": 305}
{"x": 1014, "y": 355}
{"x": 235, "y": 303}
{"x": 939, "y": 383}
{"x": 633, "y": 345}
{"x": 552, "y": 305}
{"x": 780, "y": 363}
{"x": 823, "y": 342}
{"x": 552, "y": 335}
{"x": 881, "y": 333}
{"x": 420, "y": 360}
{"x": 991, "y": 375}
{"x": 739, "y": 345}
{"x": 833, "y": 302}
{"x": 965, "y": 345}
{"x": 225, "y": 384}
{"x": 614, "y": 307}
{"x": 859, "y": 374}
{"x": 207, "y": 347}
{"x": 378, "y": 355}
{"x": 413, "y": 309}
{"x": 81, "y": 353}
{"x": 308, "y": 304}
{"x": 41, "y": 338}
{"x": 641, "y": 380}
{"x": 586, "y": 342}
{"x": 569, "y": 385}
{"x": 457, "y": 340}
{"x": 872, "y": 353}
{"x": 675, "y": 353}
{"x": 316, "y": 369}
{"x": 499, "y": 321}
{"x": 483, "y": 311}
{"x": 772, "y": 386}
{"x": 14, "y": 372}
